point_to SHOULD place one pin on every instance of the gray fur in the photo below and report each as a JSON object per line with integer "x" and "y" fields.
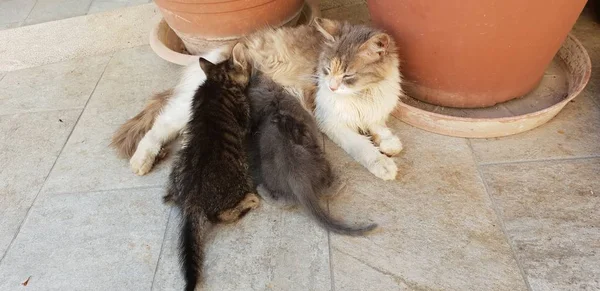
{"x": 287, "y": 151}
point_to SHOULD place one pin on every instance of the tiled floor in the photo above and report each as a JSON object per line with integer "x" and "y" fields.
{"x": 514, "y": 213}
{"x": 15, "y": 13}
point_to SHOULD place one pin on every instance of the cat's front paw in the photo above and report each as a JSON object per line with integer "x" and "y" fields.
{"x": 384, "y": 168}
{"x": 391, "y": 146}
{"x": 142, "y": 161}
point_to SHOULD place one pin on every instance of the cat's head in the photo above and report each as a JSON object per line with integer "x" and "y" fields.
{"x": 236, "y": 69}
{"x": 354, "y": 57}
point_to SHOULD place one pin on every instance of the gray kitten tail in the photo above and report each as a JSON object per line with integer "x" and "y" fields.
{"x": 307, "y": 197}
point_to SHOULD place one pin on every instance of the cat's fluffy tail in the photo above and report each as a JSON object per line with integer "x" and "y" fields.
{"x": 303, "y": 190}
{"x": 125, "y": 140}
{"x": 194, "y": 229}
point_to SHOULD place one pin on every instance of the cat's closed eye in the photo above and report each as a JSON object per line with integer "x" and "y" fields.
{"x": 326, "y": 71}
{"x": 349, "y": 79}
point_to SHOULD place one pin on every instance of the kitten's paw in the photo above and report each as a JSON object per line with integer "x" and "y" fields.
{"x": 142, "y": 161}
{"x": 274, "y": 198}
{"x": 384, "y": 168}
{"x": 390, "y": 146}
{"x": 251, "y": 201}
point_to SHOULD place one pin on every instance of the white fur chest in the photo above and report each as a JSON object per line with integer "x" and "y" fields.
{"x": 357, "y": 111}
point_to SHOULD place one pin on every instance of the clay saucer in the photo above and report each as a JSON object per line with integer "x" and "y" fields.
{"x": 563, "y": 80}
{"x": 167, "y": 45}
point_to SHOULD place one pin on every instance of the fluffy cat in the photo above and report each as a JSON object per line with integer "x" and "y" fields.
{"x": 359, "y": 87}
{"x": 289, "y": 153}
{"x": 365, "y": 87}
{"x": 210, "y": 181}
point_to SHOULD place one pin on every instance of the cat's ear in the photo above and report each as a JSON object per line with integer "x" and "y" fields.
{"x": 377, "y": 46}
{"x": 238, "y": 56}
{"x": 327, "y": 27}
{"x": 205, "y": 65}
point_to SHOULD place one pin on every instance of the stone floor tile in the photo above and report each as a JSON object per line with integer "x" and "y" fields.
{"x": 106, "y": 5}
{"x": 9, "y": 25}
{"x": 370, "y": 278}
{"x": 49, "y": 10}
{"x": 572, "y": 133}
{"x": 65, "y": 85}
{"x": 358, "y": 13}
{"x": 438, "y": 230}
{"x": 269, "y": 249}
{"x": 12, "y": 11}
{"x": 29, "y": 147}
{"x": 87, "y": 163}
{"x": 551, "y": 214}
{"x": 88, "y": 241}
{"x": 586, "y": 31}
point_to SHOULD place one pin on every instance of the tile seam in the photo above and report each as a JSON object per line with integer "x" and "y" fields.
{"x": 27, "y": 213}
{"x": 500, "y": 220}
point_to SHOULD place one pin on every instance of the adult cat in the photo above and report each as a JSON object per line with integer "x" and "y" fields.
{"x": 347, "y": 75}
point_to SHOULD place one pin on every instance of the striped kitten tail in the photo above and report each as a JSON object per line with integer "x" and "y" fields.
{"x": 195, "y": 227}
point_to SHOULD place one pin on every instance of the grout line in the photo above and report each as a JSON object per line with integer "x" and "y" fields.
{"x": 107, "y": 190}
{"x": 22, "y": 23}
{"x": 51, "y": 168}
{"x": 87, "y": 11}
{"x": 501, "y": 221}
{"x": 160, "y": 254}
{"x": 331, "y": 273}
{"x": 100, "y": 54}
{"x": 41, "y": 110}
{"x": 597, "y": 102}
{"x": 538, "y": 160}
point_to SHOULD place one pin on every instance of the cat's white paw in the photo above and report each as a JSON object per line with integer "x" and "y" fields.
{"x": 142, "y": 161}
{"x": 391, "y": 146}
{"x": 384, "y": 168}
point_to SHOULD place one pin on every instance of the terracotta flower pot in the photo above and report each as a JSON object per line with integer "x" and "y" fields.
{"x": 475, "y": 53}
{"x": 201, "y": 23}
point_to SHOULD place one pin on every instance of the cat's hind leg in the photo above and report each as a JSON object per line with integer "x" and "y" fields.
{"x": 274, "y": 198}
{"x": 383, "y": 137}
{"x": 167, "y": 126}
{"x": 251, "y": 201}
{"x": 173, "y": 117}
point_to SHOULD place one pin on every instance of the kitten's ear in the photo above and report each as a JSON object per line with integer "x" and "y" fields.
{"x": 238, "y": 56}
{"x": 327, "y": 27}
{"x": 205, "y": 65}
{"x": 377, "y": 46}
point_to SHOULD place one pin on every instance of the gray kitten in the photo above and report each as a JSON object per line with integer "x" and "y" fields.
{"x": 286, "y": 146}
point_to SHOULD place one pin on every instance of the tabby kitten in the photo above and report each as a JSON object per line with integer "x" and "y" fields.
{"x": 288, "y": 149}
{"x": 209, "y": 181}
{"x": 347, "y": 75}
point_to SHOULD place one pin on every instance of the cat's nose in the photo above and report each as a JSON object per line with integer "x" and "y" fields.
{"x": 333, "y": 86}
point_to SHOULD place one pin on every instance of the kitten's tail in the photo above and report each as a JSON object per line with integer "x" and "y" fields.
{"x": 125, "y": 140}
{"x": 194, "y": 229}
{"x": 309, "y": 200}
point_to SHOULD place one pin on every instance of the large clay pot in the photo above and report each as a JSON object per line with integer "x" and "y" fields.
{"x": 475, "y": 53}
{"x": 201, "y": 22}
